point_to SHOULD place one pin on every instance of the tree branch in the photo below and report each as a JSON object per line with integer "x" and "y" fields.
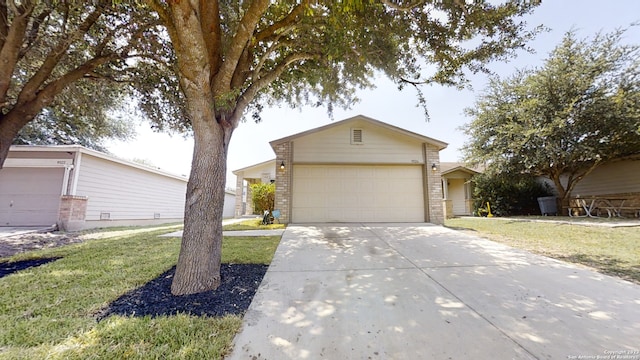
{"x": 12, "y": 44}
{"x": 54, "y": 56}
{"x": 265, "y": 79}
{"x": 165, "y": 16}
{"x": 287, "y": 21}
{"x": 276, "y": 44}
{"x": 246, "y": 28}
{"x": 44, "y": 97}
{"x": 4, "y": 22}
{"x": 33, "y": 32}
{"x": 212, "y": 32}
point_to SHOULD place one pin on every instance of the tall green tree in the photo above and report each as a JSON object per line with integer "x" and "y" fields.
{"x": 579, "y": 110}
{"x": 77, "y": 60}
{"x": 233, "y": 57}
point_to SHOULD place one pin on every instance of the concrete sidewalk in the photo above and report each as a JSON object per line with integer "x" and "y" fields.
{"x": 399, "y": 291}
{"x": 276, "y": 232}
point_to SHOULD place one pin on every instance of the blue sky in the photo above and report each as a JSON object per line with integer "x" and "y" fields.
{"x": 250, "y": 141}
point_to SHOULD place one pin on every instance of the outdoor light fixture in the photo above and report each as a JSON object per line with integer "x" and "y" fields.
{"x": 282, "y": 165}
{"x": 434, "y": 167}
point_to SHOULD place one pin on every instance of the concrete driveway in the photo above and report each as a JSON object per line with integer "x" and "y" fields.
{"x": 418, "y": 291}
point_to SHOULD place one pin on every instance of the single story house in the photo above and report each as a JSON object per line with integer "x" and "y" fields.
{"x": 79, "y": 188}
{"x": 355, "y": 170}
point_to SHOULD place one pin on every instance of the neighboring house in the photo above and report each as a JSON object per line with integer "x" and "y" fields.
{"x": 354, "y": 170}
{"x": 79, "y": 188}
{"x": 457, "y": 189}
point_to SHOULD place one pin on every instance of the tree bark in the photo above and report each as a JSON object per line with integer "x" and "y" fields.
{"x": 198, "y": 267}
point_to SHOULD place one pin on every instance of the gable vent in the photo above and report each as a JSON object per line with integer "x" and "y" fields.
{"x": 356, "y": 136}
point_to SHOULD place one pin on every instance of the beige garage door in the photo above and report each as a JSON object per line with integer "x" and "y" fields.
{"x": 30, "y": 196}
{"x": 347, "y": 193}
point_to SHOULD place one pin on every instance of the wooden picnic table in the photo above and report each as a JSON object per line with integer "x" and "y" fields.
{"x": 613, "y": 205}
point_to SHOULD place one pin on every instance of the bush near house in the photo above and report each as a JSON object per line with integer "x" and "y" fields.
{"x": 507, "y": 194}
{"x": 263, "y": 197}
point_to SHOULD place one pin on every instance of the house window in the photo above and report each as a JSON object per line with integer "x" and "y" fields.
{"x": 356, "y": 136}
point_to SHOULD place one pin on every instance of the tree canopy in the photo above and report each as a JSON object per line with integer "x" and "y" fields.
{"x": 580, "y": 109}
{"x": 69, "y": 63}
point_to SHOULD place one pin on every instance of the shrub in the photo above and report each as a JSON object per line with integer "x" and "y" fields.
{"x": 263, "y": 197}
{"x": 507, "y": 194}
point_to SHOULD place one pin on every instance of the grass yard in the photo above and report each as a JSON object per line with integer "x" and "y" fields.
{"x": 613, "y": 251}
{"x": 252, "y": 224}
{"x": 49, "y": 311}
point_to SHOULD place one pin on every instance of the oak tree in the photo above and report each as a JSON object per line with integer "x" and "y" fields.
{"x": 577, "y": 111}
{"x": 234, "y": 57}
{"x": 69, "y": 63}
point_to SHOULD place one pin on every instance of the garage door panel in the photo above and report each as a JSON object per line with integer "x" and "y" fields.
{"x": 341, "y": 193}
{"x": 30, "y": 196}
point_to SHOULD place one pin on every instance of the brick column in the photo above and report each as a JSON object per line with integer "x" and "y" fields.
{"x": 434, "y": 184}
{"x": 249, "y": 209}
{"x": 72, "y": 212}
{"x": 283, "y": 180}
{"x": 239, "y": 189}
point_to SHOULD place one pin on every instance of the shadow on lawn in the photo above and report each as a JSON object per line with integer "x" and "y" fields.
{"x": 239, "y": 284}
{"x": 7, "y": 268}
{"x": 606, "y": 265}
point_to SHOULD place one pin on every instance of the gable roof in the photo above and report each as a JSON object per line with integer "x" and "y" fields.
{"x": 271, "y": 162}
{"x": 437, "y": 143}
{"x": 449, "y": 167}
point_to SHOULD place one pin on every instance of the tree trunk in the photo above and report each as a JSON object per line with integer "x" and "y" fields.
{"x": 198, "y": 267}
{"x": 10, "y": 125}
{"x": 563, "y": 195}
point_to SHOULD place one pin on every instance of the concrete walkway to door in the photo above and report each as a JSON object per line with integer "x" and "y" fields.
{"x": 418, "y": 291}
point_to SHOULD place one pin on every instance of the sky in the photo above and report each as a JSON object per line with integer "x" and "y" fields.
{"x": 250, "y": 141}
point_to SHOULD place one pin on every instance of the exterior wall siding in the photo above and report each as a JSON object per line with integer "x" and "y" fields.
{"x": 229, "y": 205}
{"x": 613, "y": 178}
{"x": 379, "y": 146}
{"x": 128, "y": 193}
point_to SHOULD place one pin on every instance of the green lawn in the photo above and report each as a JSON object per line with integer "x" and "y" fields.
{"x": 613, "y": 251}
{"x": 48, "y": 311}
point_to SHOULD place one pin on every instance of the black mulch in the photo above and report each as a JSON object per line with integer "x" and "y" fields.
{"x": 233, "y": 296}
{"x": 7, "y": 268}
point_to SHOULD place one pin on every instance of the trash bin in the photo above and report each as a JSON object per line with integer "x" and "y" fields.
{"x": 548, "y": 205}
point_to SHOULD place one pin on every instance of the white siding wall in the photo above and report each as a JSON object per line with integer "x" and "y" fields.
{"x": 128, "y": 193}
{"x": 457, "y": 196}
{"x": 229, "y": 205}
{"x": 614, "y": 178}
{"x": 379, "y": 146}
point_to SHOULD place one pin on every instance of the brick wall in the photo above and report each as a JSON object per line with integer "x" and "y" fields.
{"x": 434, "y": 185}
{"x": 72, "y": 212}
{"x": 239, "y": 188}
{"x": 284, "y": 153}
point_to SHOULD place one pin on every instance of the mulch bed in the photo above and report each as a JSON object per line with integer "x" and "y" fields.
{"x": 233, "y": 296}
{"x": 7, "y": 268}
{"x": 239, "y": 283}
